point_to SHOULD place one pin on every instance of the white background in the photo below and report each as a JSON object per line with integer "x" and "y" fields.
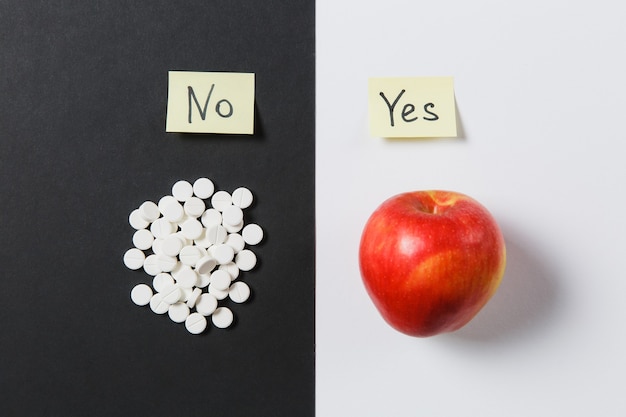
{"x": 541, "y": 96}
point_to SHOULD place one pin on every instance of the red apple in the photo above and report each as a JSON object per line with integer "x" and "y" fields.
{"x": 430, "y": 260}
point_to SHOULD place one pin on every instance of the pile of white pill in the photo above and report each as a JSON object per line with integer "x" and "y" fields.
{"x": 194, "y": 244}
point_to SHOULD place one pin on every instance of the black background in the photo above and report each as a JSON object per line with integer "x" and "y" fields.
{"x": 83, "y": 95}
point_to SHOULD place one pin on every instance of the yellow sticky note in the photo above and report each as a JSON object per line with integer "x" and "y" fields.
{"x": 412, "y": 107}
{"x": 210, "y": 102}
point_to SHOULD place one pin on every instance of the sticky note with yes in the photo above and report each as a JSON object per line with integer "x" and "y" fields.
{"x": 210, "y": 102}
{"x": 404, "y": 107}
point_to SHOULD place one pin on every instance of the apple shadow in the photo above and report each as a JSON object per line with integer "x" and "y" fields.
{"x": 523, "y": 303}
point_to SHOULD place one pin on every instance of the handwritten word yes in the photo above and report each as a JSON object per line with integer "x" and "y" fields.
{"x": 408, "y": 110}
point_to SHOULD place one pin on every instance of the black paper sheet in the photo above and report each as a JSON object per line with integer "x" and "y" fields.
{"x": 83, "y": 94}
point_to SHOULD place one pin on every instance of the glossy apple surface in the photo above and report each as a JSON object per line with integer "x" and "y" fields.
{"x": 430, "y": 260}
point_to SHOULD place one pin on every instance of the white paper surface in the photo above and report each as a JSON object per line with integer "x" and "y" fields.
{"x": 540, "y": 95}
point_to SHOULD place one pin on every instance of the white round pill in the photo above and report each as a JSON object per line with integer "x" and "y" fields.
{"x": 177, "y": 269}
{"x": 204, "y": 280}
{"x": 186, "y": 242}
{"x": 216, "y": 234}
{"x": 192, "y": 229}
{"x": 149, "y": 211}
{"x": 211, "y": 217}
{"x": 183, "y": 220}
{"x": 222, "y": 317}
{"x": 186, "y": 293}
{"x": 232, "y": 215}
{"x": 245, "y": 260}
{"x": 252, "y": 234}
{"x": 156, "y": 246}
{"x": 242, "y": 197}
{"x": 157, "y": 305}
{"x": 202, "y": 241}
{"x": 163, "y": 201}
{"x": 235, "y": 241}
{"x": 173, "y": 211}
{"x": 194, "y": 207}
{"x": 239, "y": 292}
{"x": 205, "y": 265}
{"x": 142, "y": 239}
{"x": 166, "y": 263}
{"x": 232, "y": 270}
{"x": 217, "y": 293}
{"x": 182, "y": 190}
{"x": 193, "y": 297}
{"x": 195, "y": 323}
{"x": 172, "y": 245}
{"x": 178, "y": 312}
{"x": 203, "y": 251}
{"x": 220, "y": 280}
{"x": 137, "y": 221}
{"x": 187, "y": 278}
{"x": 233, "y": 228}
{"x": 223, "y": 253}
{"x": 203, "y": 188}
{"x": 221, "y": 200}
{"x": 134, "y": 258}
{"x": 151, "y": 265}
{"x": 206, "y": 304}
{"x": 162, "y": 280}
{"x": 190, "y": 255}
{"x": 161, "y": 228}
{"x": 172, "y": 294}
{"x": 141, "y": 294}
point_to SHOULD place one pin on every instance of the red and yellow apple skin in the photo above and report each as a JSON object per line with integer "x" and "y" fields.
{"x": 430, "y": 260}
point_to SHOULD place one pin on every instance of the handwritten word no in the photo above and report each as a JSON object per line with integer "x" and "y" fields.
{"x": 223, "y": 107}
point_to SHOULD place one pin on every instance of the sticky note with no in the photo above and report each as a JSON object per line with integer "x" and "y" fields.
{"x": 210, "y": 102}
{"x": 401, "y": 107}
